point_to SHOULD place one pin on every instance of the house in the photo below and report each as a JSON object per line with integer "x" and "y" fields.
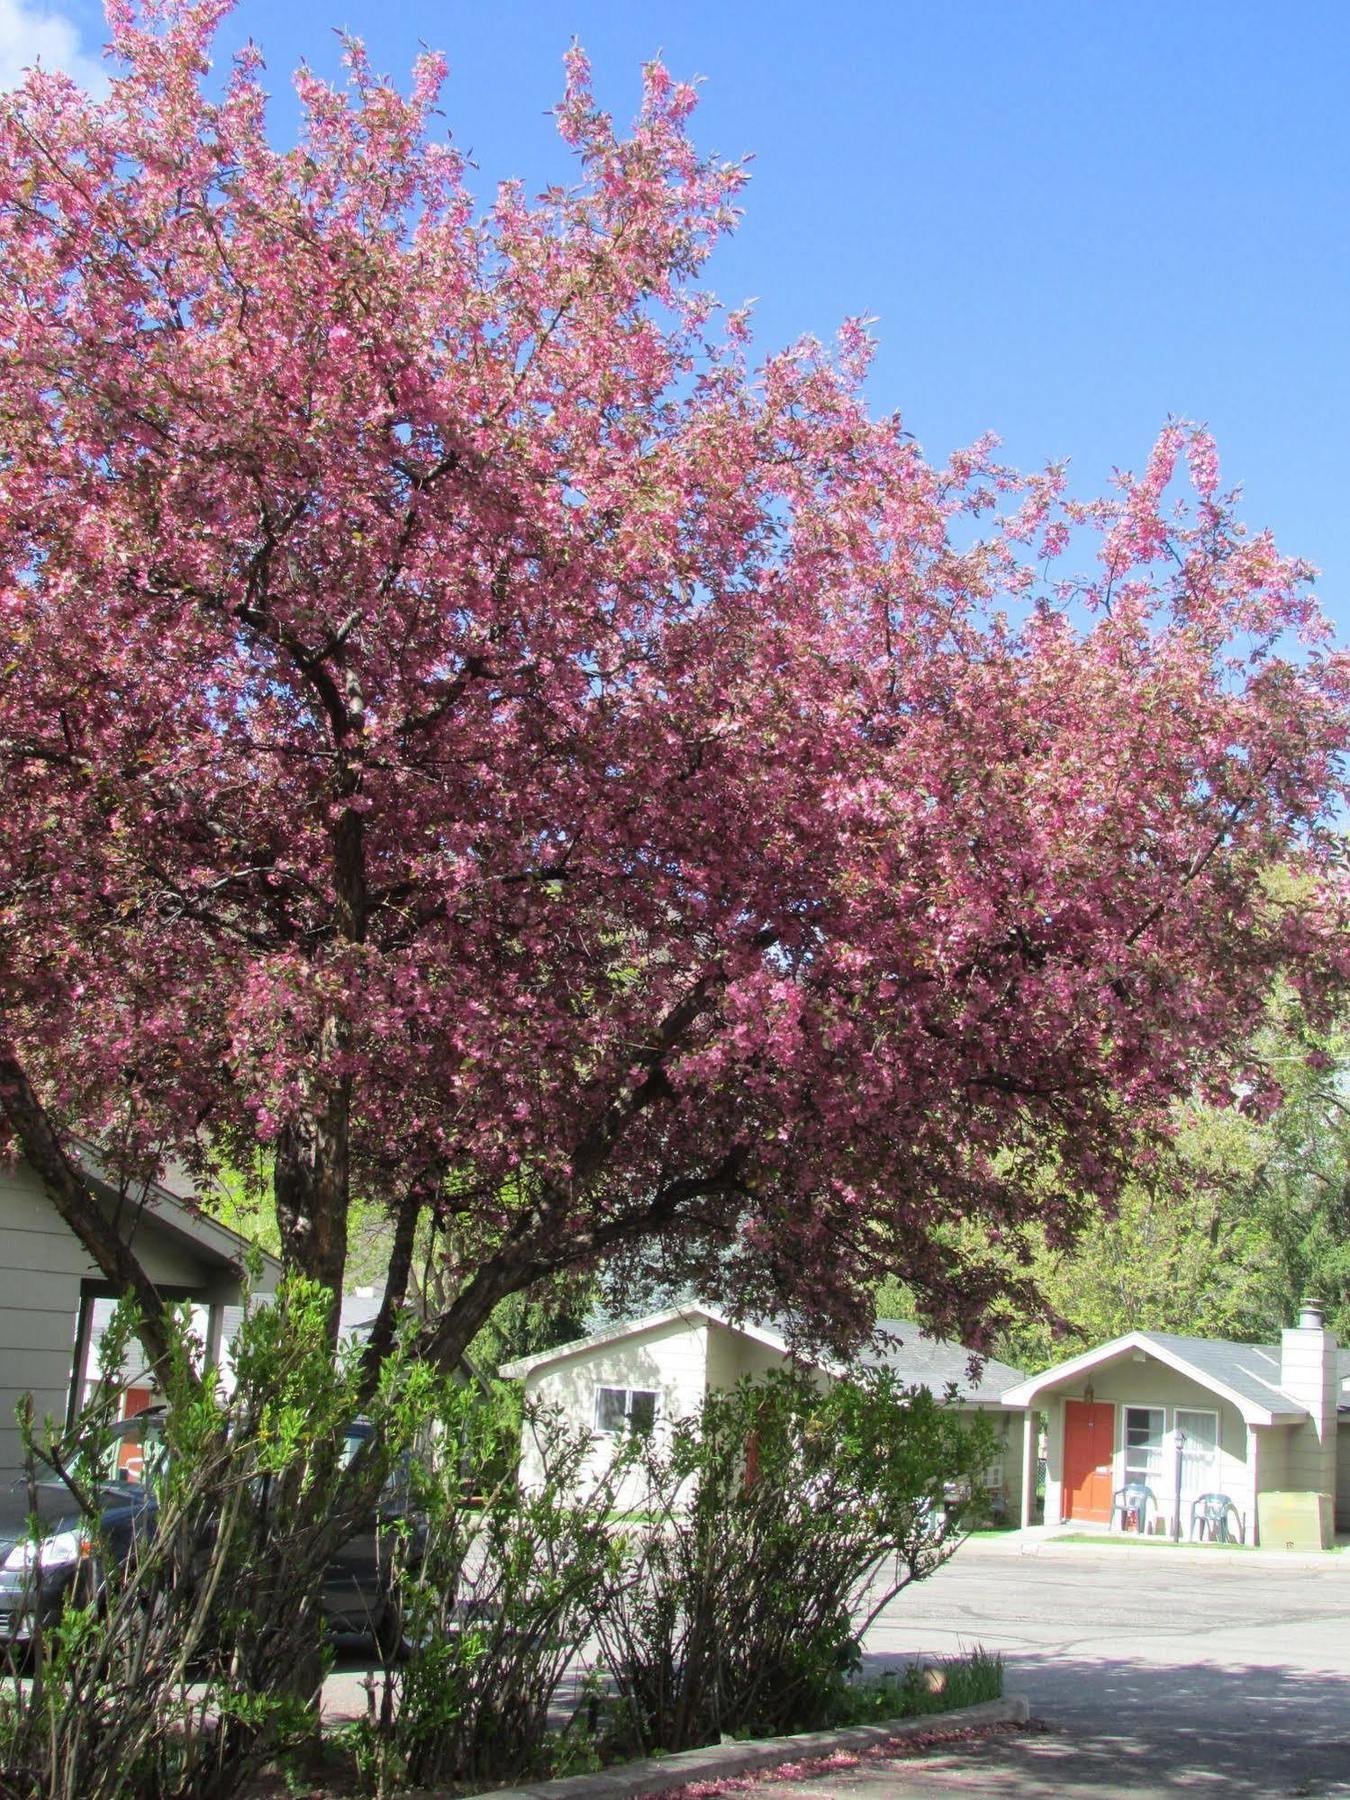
{"x": 49, "y": 1290}
{"x": 1186, "y": 1416}
{"x": 634, "y": 1375}
{"x": 359, "y": 1310}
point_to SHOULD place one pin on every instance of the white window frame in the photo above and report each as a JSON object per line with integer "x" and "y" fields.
{"x": 1163, "y": 1480}
{"x": 629, "y": 1394}
{"x": 1156, "y": 1479}
{"x": 1212, "y": 1483}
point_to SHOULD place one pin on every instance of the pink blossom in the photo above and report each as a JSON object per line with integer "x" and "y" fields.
{"x": 450, "y": 691}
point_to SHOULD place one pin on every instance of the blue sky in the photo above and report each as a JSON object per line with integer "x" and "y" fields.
{"x": 1070, "y": 218}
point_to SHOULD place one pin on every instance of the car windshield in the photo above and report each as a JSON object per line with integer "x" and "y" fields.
{"x": 56, "y": 1507}
{"x": 395, "y": 1488}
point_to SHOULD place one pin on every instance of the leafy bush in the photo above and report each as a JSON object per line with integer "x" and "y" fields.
{"x": 188, "y": 1653}
{"x": 189, "y": 1650}
{"x": 498, "y": 1604}
{"x": 785, "y": 1517}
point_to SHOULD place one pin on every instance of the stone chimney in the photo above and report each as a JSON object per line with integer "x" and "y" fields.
{"x": 1308, "y": 1374}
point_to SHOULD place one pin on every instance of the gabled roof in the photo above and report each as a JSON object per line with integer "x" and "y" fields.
{"x": 1247, "y": 1375}
{"x": 180, "y": 1218}
{"x": 626, "y": 1328}
{"x": 901, "y": 1347}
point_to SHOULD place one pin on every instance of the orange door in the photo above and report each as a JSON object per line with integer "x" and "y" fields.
{"x": 130, "y": 1456}
{"x": 1089, "y": 1447}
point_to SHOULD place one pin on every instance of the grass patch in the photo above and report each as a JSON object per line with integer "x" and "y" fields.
{"x": 924, "y": 1687}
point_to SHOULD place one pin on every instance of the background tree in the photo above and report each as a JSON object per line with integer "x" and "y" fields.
{"x": 1243, "y": 1217}
{"x": 468, "y": 733}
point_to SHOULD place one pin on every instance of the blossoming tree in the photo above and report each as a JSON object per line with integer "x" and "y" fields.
{"x": 471, "y": 733}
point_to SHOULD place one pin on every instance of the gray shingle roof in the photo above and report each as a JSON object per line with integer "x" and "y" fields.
{"x": 917, "y": 1361}
{"x": 1251, "y": 1370}
{"x": 359, "y": 1309}
{"x": 933, "y": 1363}
{"x": 1250, "y": 1374}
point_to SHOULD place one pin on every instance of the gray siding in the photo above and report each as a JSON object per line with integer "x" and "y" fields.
{"x": 41, "y": 1267}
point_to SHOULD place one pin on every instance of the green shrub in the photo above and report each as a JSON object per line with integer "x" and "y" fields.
{"x": 499, "y": 1588}
{"x": 785, "y": 1517}
{"x": 922, "y": 1687}
{"x": 190, "y": 1648}
{"x": 730, "y": 1598}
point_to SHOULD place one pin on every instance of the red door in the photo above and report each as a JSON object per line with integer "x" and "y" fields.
{"x": 1089, "y": 1447}
{"x": 130, "y": 1457}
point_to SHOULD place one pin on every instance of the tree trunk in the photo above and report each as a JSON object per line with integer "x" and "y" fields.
{"x": 312, "y": 1186}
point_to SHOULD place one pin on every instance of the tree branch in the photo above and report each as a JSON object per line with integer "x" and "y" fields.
{"x": 521, "y": 1264}
{"x": 381, "y": 1339}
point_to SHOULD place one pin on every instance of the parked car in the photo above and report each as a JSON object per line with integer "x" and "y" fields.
{"x": 36, "y": 1579}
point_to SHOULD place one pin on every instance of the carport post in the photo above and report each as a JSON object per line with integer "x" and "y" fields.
{"x": 1028, "y": 1465}
{"x": 215, "y": 1330}
{"x": 79, "y": 1374}
{"x": 1179, "y": 1443}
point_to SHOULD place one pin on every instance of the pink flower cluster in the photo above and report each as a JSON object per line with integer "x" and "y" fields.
{"x": 450, "y": 696}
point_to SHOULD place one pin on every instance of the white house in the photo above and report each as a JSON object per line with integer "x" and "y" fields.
{"x": 1185, "y": 1417}
{"x": 649, "y": 1371}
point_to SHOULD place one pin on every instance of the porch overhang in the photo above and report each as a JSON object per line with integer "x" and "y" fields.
{"x": 1050, "y": 1381}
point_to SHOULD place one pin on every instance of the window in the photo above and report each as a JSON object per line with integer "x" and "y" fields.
{"x": 625, "y": 1409}
{"x": 1200, "y": 1452}
{"x": 1144, "y": 1444}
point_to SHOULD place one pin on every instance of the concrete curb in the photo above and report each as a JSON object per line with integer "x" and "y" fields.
{"x": 1115, "y": 1550}
{"x": 717, "y": 1762}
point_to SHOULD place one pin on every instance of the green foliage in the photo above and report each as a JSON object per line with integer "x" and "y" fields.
{"x": 189, "y": 1650}
{"x": 187, "y": 1656}
{"x": 786, "y": 1516}
{"x": 239, "y": 1194}
{"x": 919, "y": 1688}
{"x": 498, "y": 1589}
{"x": 1242, "y": 1219}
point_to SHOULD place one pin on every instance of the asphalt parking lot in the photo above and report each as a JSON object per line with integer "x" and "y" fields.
{"x": 1159, "y": 1671}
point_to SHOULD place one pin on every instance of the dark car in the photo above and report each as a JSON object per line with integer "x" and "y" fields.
{"x": 36, "y": 1579}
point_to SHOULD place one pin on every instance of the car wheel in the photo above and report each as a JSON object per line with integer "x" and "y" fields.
{"x": 391, "y": 1640}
